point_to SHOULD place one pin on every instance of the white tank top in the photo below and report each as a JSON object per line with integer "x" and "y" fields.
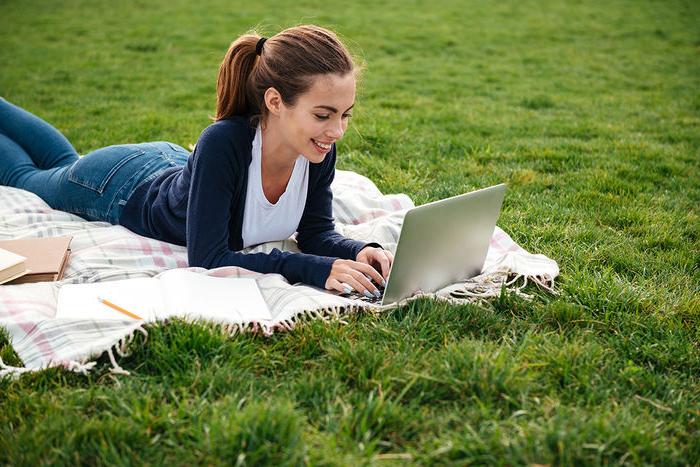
{"x": 262, "y": 220}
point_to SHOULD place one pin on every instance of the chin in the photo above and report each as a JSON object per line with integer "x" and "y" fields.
{"x": 315, "y": 158}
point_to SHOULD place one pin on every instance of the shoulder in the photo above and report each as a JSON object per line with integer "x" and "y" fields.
{"x": 231, "y": 130}
{"x": 231, "y": 136}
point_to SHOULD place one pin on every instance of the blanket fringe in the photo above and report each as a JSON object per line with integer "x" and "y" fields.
{"x": 122, "y": 346}
{"x": 116, "y": 369}
{"x": 546, "y": 282}
{"x": 543, "y": 281}
{"x": 82, "y": 368}
{"x": 229, "y": 329}
{"x": 486, "y": 286}
{"x": 14, "y": 372}
{"x": 284, "y": 325}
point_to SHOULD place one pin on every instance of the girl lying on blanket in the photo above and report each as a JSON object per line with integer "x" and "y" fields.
{"x": 261, "y": 172}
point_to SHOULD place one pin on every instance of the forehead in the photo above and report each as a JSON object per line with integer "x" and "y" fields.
{"x": 331, "y": 89}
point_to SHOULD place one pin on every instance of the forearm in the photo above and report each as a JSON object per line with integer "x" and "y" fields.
{"x": 331, "y": 243}
{"x": 295, "y": 267}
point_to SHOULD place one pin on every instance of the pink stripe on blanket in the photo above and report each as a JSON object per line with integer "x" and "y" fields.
{"x": 27, "y": 304}
{"x": 158, "y": 261}
{"x": 514, "y": 247}
{"x": 145, "y": 245}
{"x": 147, "y": 248}
{"x": 179, "y": 261}
{"x": 38, "y": 338}
{"x": 41, "y": 342}
{"x": 498, "y": 236}
{"x": 370, "y": 215}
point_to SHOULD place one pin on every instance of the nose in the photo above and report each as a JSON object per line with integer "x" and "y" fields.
{"x": 336, "y": 129}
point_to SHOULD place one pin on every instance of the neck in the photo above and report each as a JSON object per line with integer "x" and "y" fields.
{"x": 277, "y": 156}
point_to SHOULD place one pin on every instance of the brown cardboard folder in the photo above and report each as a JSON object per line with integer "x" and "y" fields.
{"x": 46, "y": 257}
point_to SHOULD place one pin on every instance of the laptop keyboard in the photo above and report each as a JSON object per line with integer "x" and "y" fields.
{"x": 354, "y": 295}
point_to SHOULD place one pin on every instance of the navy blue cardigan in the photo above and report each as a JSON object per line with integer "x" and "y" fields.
{"x": 200, "y": 205}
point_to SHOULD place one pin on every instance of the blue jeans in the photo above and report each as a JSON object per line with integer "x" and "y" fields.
{"x": 36, "y": 157}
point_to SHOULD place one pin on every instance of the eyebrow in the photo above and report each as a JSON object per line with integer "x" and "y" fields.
{"x": 331, "y": 109}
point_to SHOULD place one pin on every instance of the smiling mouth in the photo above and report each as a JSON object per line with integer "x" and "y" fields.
{"x": 322, "y": 146}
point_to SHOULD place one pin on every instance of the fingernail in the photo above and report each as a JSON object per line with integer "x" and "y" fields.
{"x": 377, "y": 293}
{"x": 347, "y": 289}
{"x": 367, "y": 294}
{"x": 383, "y": 283}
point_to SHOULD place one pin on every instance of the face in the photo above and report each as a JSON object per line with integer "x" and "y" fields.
{"x": 318, "y": 118}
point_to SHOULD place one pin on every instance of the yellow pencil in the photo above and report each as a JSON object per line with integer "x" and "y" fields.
{"x": 118, "y": 308}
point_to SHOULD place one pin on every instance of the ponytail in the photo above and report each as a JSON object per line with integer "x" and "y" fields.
{"x": 232, "y": 86}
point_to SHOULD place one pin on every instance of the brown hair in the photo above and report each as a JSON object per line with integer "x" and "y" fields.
{"x": 287, "y": 62}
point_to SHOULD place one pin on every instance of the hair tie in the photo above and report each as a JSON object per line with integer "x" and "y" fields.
{"x": 259, "y": 45}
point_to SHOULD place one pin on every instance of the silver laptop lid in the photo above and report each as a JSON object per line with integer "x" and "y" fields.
{"x": 443, "y": 242}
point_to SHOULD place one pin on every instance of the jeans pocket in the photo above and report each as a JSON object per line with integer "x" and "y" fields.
{"x": 144, "y": 174}
{"x": 177, "y": 155}
{"x": 177, "y": 148}
{"x": 95, "y": 170}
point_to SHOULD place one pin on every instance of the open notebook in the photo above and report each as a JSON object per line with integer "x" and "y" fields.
{"x": 175, "y": 293}
{"x": 12, "y": 266}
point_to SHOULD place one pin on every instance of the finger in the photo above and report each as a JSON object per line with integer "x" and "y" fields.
{"x": 344, "y": 288}
{"x": 370, "y": 277}
{"x": 366, "y": 284}
{"x": 353, "y": 282}
{"x": 376, "y": 263}
{"x": 390, "y": 255}
{"x": 330, "y": 283}
{"x": 338, "y": 285}
{"x": 368, "y": 270}
{"x": 370, "y": 257}
{"x": 335, "y": 284}
{"x": 382, "y": 263}
{"x": 385, "y": 264}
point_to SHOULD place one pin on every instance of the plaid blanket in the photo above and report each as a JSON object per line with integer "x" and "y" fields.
{"x": 104, "y": 252}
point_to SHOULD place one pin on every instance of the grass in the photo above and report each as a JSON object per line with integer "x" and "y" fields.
{"x": 589, "y": 110}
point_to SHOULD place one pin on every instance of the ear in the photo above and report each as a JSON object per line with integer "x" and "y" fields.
{"x": 273, "y": 101}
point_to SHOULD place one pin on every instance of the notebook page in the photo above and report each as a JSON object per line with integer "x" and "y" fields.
{"x": 220, "y": 299}
{"x": 142, "y": 297}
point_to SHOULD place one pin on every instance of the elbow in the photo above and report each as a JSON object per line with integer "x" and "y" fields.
{"x": 195, "y": 261}
{"x": 307, "y": 243}
{"x": 302, "y": 241}
{"x": 203, "y": 259}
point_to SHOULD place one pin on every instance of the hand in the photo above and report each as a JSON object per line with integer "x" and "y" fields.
{"x": 347, "y": 275}
{"x": 378, "y": 258}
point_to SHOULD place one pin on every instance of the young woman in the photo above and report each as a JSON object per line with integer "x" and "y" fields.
{"x": 260, "y": 173}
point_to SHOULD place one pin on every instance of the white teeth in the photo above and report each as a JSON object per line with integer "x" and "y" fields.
{"x": 321, "y": 145}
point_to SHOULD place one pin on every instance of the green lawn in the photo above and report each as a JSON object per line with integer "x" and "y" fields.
{"x": 589, "y": 110}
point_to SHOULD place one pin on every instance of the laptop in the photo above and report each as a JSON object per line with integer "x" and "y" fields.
{"x": 441, "y": 243}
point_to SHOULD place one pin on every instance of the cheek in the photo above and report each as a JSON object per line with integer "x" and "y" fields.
{"x": 314, "y": 128}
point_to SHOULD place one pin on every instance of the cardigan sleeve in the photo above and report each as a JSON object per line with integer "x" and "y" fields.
{"x": 316, "y": 234}
{"x": 213, "y": 193}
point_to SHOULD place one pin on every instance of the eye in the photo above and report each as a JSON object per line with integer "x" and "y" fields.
{"x": 321, "y": 117}
{"x": 347, "y": 116}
